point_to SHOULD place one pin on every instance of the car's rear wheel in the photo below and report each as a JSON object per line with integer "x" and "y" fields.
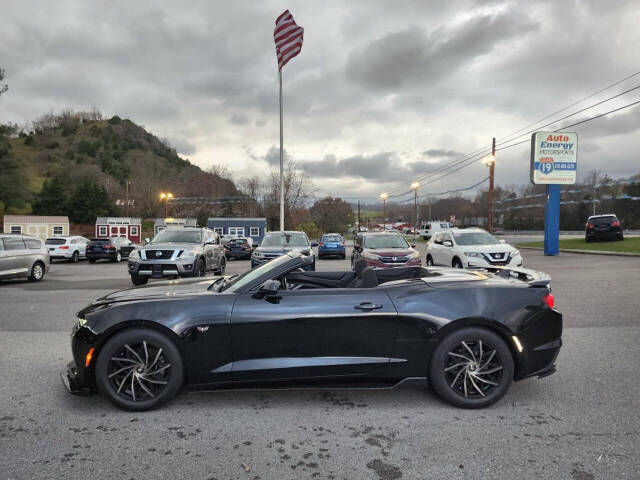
{"x": 430, "y": 261}
{"x": 75, "y": 257}
{"x": 138, "y": 280}
{"x": 456, "y": 263}
{"x": 118, "y": 257}
{"x": 139, "y": 369}
{"x": 471, "y": 368}
{"x": 37, "y": 272}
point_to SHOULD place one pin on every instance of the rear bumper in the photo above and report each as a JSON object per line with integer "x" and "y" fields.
{"x": 605, "y": 234}
{"x": 237, "y": 254}
{"x": 100, "y": 256}
{"x": 327, "y": 252}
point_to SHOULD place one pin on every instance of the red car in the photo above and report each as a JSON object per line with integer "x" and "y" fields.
{"x": 384, "y": 250}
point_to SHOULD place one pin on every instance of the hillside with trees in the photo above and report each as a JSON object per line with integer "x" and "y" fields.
{"x": 79, "y": 164}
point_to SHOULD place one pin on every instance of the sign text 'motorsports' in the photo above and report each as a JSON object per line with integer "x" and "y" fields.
{"x": 554, "y": 157}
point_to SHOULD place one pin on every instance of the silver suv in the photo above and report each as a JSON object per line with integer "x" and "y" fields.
{"x": 181, "y": 252}
{"x": 22, "y": 256}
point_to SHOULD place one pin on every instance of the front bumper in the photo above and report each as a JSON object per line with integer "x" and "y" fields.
{"x": 257, "y": 261}
{"x": 74, "y": 383}
{"x": 475, "y": 262}
{"x": 162, "y": 268}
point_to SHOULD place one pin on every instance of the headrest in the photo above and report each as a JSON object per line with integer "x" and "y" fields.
{"x": 359, "y": 266}
{"x": 369, "y": 278}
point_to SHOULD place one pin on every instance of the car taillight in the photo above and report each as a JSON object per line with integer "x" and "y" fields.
{"x": 342, "y": 243}
{"x": 615, "y": 223}
{"x": 590, "y": 225}
{"x": 320, "y": 244}
{"x": 548, "y": 300}
{"x": 108, "y": 246}
{"x": 64, "y": 247}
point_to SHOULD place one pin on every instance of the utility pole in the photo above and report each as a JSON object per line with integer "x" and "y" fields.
{"x": 359, "y": 224}
{"x": 490, "y": 162}
{"x": 415, "y": 186}
{"x": 384, "y": 197}
{"x": 127, "y": 183}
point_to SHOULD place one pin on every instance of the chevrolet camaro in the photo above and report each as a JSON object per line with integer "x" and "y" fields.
{"x": 469, "y": 334}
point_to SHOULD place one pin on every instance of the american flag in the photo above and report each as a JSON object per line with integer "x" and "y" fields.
{"x": 288, "y": 37}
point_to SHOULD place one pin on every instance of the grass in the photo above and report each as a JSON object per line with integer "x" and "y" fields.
{"x": 629, "y": 245}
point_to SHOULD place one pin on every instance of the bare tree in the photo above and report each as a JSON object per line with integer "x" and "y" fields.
{"x": 5, "y": 87}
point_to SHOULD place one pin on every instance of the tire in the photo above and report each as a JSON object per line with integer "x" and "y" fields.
{"x": 92, "y": 260}
{"x": 457, "y": 263}
{"x": 621, "y": 238}
{"x": 200, "y": 269}
{"x": 223, "y": 267}
{"x": 145, "y": 390}
{"x": 37, "y": 272}
{"x": 138, "y": 280}
{"x": 75, "y": 257}
{"x": 430, "y": 261}
{"x": 344, "y": 256}
{"x": 117, "y": 258}
{"x": 452, "y": 364}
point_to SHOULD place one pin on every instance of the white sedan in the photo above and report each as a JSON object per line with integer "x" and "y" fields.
{"x": 471, "y": 248}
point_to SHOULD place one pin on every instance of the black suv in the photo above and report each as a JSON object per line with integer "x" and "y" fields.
{"x": 603, "y": 226}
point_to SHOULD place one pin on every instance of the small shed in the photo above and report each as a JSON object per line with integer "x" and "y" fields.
{"x": 162, "y": 223}
{"x": 41, "y": 226}
{"x": 255, "y": 228}
{"x": 129, "y": 227}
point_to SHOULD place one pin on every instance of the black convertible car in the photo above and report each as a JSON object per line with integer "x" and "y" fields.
{"x": 469, "y": 333}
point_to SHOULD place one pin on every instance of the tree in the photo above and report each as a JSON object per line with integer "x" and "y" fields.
{"x": 89, "y": 201}
{"x": 332, "y": 215}
{"x": 54, "y": 197}
{"x": 298, "y": 189}
{"x": 13, "y": 186}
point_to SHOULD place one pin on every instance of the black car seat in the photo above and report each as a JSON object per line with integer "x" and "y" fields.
{"x": 369, "y": 278}
{"x": 358, "y": 267}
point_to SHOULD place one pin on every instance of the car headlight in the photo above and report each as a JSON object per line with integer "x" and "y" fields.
{"x": 134, "y": 254}
{"x": 413, "y": 255}
{"x": 515, "y": 253}
{"x": 474, "y": 254}
{"x": 257, "y": 254}
{"x": 372, "y": 256}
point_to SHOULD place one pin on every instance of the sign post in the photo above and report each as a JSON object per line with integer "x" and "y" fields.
{"x": 554, "y": 158}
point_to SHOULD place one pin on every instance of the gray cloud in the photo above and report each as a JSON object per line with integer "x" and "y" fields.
{"x": 441, "y": 152}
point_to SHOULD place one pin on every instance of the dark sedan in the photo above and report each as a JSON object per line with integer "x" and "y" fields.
{"x": 113, "y": 249}
{"x": 470, "y": 332}
{"x": 603, "y": 227}
{"x": 237, "y": 248}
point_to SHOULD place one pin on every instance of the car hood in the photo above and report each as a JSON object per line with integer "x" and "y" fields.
{"x": 172, "y": 288}
{"x": 390, "y": 252}
{"x": 282, "y": 249}
{"x": 169, "y": 246}
{"x": 500, "y": 248}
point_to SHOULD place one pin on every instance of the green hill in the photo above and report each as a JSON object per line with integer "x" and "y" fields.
{"x": 67, "y": 150}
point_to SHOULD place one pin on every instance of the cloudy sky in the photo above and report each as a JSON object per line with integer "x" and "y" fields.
{"x": 383, "y": 92}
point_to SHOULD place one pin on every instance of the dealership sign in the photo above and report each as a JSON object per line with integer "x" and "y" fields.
{"x": 554, "y": 158}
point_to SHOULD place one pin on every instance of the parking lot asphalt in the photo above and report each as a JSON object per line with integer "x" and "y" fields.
{"x": 580, "y": 423}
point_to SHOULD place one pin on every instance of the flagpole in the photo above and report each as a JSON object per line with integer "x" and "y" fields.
{"x": 281, "y": 160}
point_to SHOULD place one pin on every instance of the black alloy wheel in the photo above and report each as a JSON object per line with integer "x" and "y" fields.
{"x": 139, "y": 369}
{"x": 138, "y": 280}
{"x": 37, "y": 272}
{"x": 471, "y": 368}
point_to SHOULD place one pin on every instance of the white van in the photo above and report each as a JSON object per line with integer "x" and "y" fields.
{"x": 427, "y": 229}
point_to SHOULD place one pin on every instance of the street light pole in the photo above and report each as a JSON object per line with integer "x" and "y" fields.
{"x": 490, "y": 162}
{"x": 166, "y": 197}
{"x": 384, "y": 197}
{"x": 415, "y": 186}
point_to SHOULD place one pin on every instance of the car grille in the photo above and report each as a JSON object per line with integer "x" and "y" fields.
{"x": 394, "y": 259}
{"x": 498, "y": 258}
{"x": 158, "y": 254}
{"x": 271, "y": 256}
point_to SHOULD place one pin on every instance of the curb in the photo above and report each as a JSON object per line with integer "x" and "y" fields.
{"x": 586, "y": 252}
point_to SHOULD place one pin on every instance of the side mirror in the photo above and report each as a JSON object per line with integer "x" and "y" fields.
{"x": 503, "y": 241}
{"x": 413, "y": 245}
{"x": 147, "y": 241}
{"x": 447, "y": 243}
{"x": 270, "y": 288}
{"x": 314, "y": 244}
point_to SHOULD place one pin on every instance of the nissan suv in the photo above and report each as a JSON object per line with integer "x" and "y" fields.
{"x": 184, "y": 252}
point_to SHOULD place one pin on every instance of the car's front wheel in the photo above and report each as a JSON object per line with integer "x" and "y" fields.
{"x": 138, "y": 280}
{"x": 456, "y": 263}
{"x": 37, "y": 272}
{"x": 471, "y": 368}
{"x": 139, "y": 369}
{"x": 430, "y": 261}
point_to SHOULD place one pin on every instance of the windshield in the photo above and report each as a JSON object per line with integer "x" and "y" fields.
{"x": 55, "y": 241}
{"x": 331, "y": 238}
{"x": 603, "y": 220}
{"x": 285, "y": 239}
{"x": 385, "y": 241}
{"x": 250, "y": 275}
{"x": 178, "y": 236}
{"x": 475, "y": 238}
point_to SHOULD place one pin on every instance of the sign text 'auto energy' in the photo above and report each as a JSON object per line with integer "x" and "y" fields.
{"x": 554, "y": 157}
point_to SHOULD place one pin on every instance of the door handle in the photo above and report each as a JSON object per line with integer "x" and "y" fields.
{"x": 368, "y": 306}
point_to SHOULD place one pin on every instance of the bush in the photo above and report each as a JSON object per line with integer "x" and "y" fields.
{"x": 115, "y": 120}
{"x": 29, "y": 140}
{"x": 88, "y": 148}
{"x": 310, "y": 228}
{"x": 52, "y": 145}
{"x": 69, "y": 129}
